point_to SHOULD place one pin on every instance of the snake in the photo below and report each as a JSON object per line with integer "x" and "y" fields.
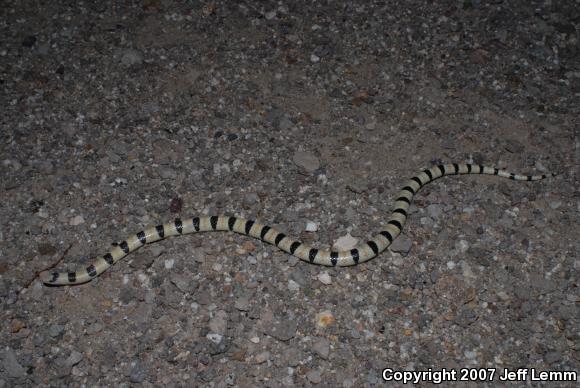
{"x": 362, "y": 252}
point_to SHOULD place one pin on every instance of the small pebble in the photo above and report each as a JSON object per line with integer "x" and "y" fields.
{"x": 282, "y": 330}
{"x": 514, "y": 146}
{"x": 138, "y": 373}
{"x": 262, "y": 357}
{"x": 435, "y": 211}
{"x": 468, "y": 209}
{"x": 183, "y": 282}
{"x": 321, "y": 346}
{"x": 469, "y": 354}
{"x": 345, "y": 243}
{"x": 371, "y": 125}
{"x": 293, "y": 286}
{"x": 249, "y": 246}
{"x": 76, "y": 220}
{"x": 156, "y": 250}
{"x": 324, "y": 278}
{"x": 402, "y": 244}
{"x": 324, "y": 319}
{"x": 10, "y": 364}
{"x": 462, "y": 246}
{"x": 74, "y": 358}
{"x": 38, "y": 340}
{"x": 130, "y": 57}
{"x": 311, "y": 226}
{"x": 16, "y": 325}
{"x": 242, "y": 303}
{"x": 167, "y": 173}
{"x": 214, "y": 337}
{"x": 306, "y": 160}
{"x": 314, "y": 376}
{"x": 219, "y": 323}
{"x": 255, "y": 340}
{"x": 94, "y": 328}
{"x": 250, "y": 199}
{"x": 285, "y": 124}
{"x": 55, "y": 330}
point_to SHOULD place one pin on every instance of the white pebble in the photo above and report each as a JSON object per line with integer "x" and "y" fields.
{"x": 314, "y": 58}
{"x": 215, "y": 338}
{"x": 311, "y": 226}
{"x": 324, "y": 278}
{"x": 169, "y": 263}
{"x": 255, "y": 340}
{"x": 450, "y": 264}
{"x": 468, "y": 209}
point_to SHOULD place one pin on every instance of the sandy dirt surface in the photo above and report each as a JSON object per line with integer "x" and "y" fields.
{"x": 121, "y": 115}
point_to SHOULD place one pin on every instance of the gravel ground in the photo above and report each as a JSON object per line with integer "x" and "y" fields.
{"x": 120, "y": 115}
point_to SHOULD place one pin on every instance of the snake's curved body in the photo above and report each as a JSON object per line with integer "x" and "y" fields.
{"x": 361, "y": 253}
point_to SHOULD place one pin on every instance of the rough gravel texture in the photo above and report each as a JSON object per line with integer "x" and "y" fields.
{"x": 120, "y": 115}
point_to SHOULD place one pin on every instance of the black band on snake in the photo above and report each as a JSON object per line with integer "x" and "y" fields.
{"x": 362, "y": 252}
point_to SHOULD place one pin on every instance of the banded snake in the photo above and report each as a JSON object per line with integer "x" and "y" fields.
{"x": 364, "y": 251}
